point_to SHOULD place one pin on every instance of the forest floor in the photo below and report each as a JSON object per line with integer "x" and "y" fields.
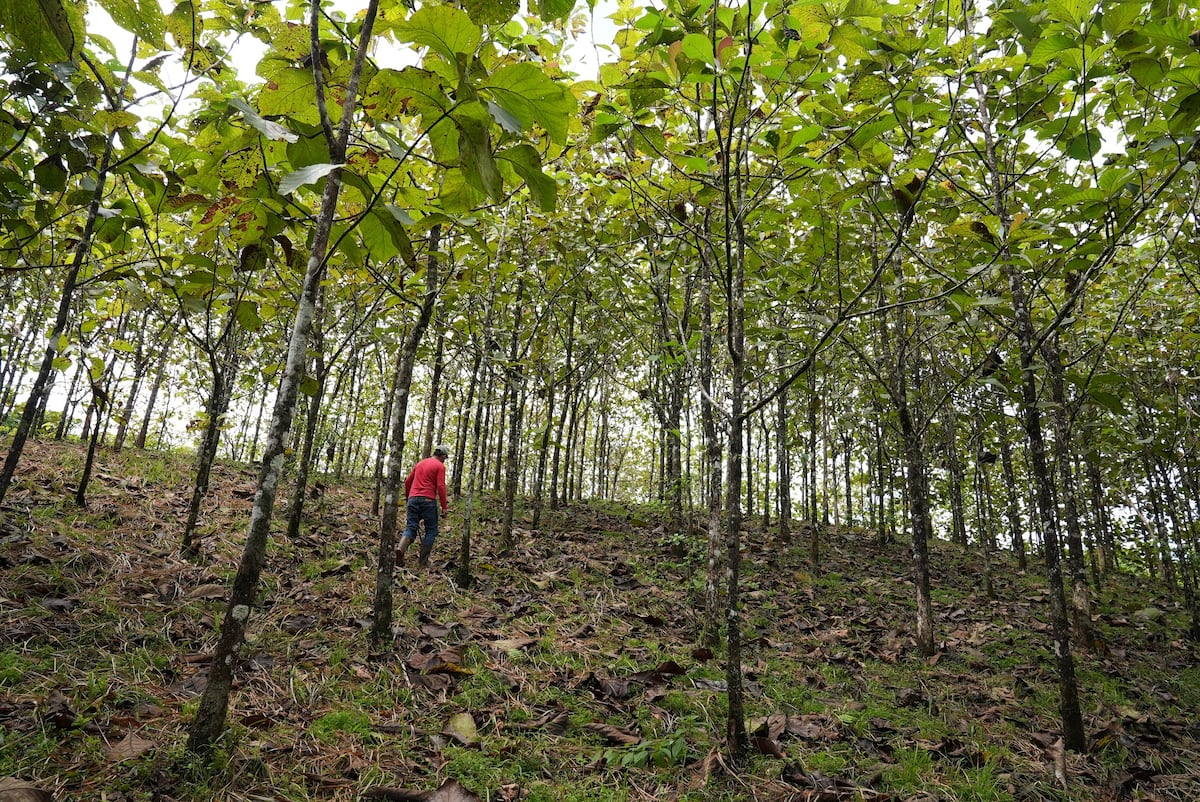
{"x": 567, "y": 671}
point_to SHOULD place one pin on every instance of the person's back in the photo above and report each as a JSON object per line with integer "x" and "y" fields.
{"x": 425, "y": 489}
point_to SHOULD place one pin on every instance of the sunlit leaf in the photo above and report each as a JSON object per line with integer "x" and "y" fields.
{"x": 305, "y": 175}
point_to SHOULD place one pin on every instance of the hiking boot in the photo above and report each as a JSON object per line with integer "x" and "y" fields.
{"x": 423, "y": 560}
{"x": 405, "y": 542}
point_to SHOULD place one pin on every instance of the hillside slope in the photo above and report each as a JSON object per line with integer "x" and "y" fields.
{"x": 567, "y": 671}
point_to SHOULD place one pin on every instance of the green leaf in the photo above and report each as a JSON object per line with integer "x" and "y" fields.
{"x": 393, "y": 94}
{"x": 1109, "y": 401}
{"x": 554, "y": 10}
{"x": 1171, "y": 31}
{"x": 1069, "y": 11}
{"x": 305, "y": 175}
{"x": 525, "y": 161}
{"x": 1147, "y": 71}
{"x": 50, "y": 174}
{"x": 270, "y": 130}
{"x": 699, "y": 48}
{"x": 446, "y": 30}
{"x": 1120, "y": 17}
{"x": 1085, "y": 146}
{"x": 475, "y": 150}
{"x": 491, "y": 12}
{"x": 144, "y": 19}
{"x": 1185, "y": 118}
{"x": 529, "y": 95}
{"x": 50, "y": 30}
{"x": 506, "y": 121}
{"x": 871, "y": 130}
{"x": 310, "y": 386}
{"x": 246, "y": 313}
{"x": 376, "y": 232}
{"x": 1114, "y": 180}
{"x": 1048, "y": 47}
{"x": 289, "y": 92}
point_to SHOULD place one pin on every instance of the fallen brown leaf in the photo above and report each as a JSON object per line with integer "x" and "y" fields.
{"x": 129, "y": 747}
{"x": 14, "y": 790}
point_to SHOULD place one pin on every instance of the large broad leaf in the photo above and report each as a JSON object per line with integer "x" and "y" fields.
{"x": 145, "y": 19}
{"x": 444, "y": 29}
{"x": 552, "y": 10}
{"x": 305, "y": 175}
{"x": 530, "y": 96}
{"x": 51, "y": 30}
{"x": 394, "y": 94}
{"x": 491, "y": 12}
{"x": 475, "y": 150}
{"x": 289, "y": 92}
{"x": 525, "y": 161}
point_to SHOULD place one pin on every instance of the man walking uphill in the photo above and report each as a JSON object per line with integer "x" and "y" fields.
{"x": 425, "y": 488}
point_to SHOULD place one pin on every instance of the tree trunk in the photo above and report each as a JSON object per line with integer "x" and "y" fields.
{"x": 209, "y": 721}
{"x": 68, "y": 412}
{"x": 224, "y": 371}
{"x": 304, "y": 464}
{"x": 1081, "y": 604}
{"x": 1074, "y": 737}
{"x": 955, "y": 475}
{"x": 393, "y": 501}
{"x": 159, "y": 372}
{"x": 61, "y": 319}
{"x": 514, "y": 381}
{"x": 435, "y": 386}
{"x": 783, "y": 481}
{"x": 1010, "y": 492}
{"x": 710, "y": 632}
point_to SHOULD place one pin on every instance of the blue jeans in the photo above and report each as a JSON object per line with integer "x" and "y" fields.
{"x": 420, "y": 509}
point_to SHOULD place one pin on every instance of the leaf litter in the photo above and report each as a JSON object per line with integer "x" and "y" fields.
{"x": 576, "y": 647}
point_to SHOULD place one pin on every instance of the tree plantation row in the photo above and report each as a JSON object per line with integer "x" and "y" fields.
{"x": 928, "y": 269}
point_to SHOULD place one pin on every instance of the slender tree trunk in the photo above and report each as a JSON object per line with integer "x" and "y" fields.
{"x": 141, "y": 364}
{"x": 304, "y": 463}
{"x": 61, "y": 319}
{"x": 381, "y": 626}
{"x": 64, "y": 421}
{"x": 710, "y": 633}
{"x": 514, "y": 381}
{"x": 209, "y": 721}
{"x": 1074, "y": 737}
{"x": 1010, "y": 492}
{"x": 1081, "y": 603}
{"x": 955, "y": 474}
{"x": 464, "y": 418}
{"x": 160, "y": 371}
{"x": 539, "y": 481}
{"x": 783, "y": 481}
{"x": 464, "y": 578}
{"x": 382, "y": 441}
{"x": 1183, "y": 548}
{"x": 918, "y": 505}
{"x": 224, "y": 371}
{"x": 435, "y": 386}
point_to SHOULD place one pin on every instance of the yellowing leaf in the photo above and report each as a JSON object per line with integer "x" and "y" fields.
{"x": 461, "y": 727}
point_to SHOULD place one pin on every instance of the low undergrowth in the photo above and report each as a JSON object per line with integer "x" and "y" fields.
{"x": 568, "y": 670}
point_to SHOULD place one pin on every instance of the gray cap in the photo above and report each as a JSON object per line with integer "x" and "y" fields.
{"x": 443, "y": 449}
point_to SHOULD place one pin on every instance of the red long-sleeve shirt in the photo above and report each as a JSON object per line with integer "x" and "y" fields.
{"x": 428, "y": 480}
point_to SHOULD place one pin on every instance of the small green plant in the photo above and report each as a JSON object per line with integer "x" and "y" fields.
{"x": 670, "y": 750}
